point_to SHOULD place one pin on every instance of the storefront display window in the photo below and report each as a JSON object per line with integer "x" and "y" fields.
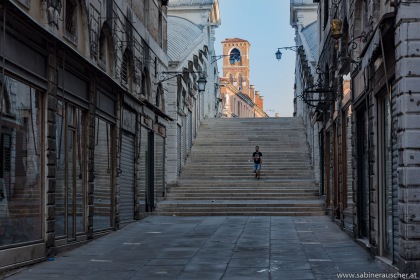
{"x": 20, "y": 163}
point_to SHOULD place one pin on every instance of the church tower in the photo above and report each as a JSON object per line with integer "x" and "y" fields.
{"x": 238, "y": 72}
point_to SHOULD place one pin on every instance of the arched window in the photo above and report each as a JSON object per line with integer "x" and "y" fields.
{"x": 240, "y": 80}
{"x": 105, "y": 50}
{"x": 235, "y": 54}
{"x": 231, "y": 80}
{"x": 160, "y": 101}
{"x": 127, "y": 71}
{"x": 145, "y": 84}
{"x": 71, "y": 19}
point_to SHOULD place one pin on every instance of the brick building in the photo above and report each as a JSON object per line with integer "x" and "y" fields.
{"x": 358, "y": 102}
{"x": 239, "y": 98}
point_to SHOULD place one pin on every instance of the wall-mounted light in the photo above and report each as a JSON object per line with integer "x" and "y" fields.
{"x": 201, "y": 82}
{"x": 279, "y": 53}
{"x": 318, "y": 95}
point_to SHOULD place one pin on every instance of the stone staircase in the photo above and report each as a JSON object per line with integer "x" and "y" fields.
{"x": 218, "y": 177}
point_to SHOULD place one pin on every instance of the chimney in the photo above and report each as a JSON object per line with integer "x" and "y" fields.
{"x": 252, "y": 92}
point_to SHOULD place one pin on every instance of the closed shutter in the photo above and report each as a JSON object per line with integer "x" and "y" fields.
{"x": 202, "y": 107}
{"x": 144, "y": 146}
{"x": 194, "y": 122}
{"x": 189, "y": 127}
{"x": 395, "y": 218}
{"x": 159, "y": 167}
{"x": 126, "y": 178}
{"x": 102, "y": 193}
{"x": 184, "y": 139}
{"x": 179, "y": 149}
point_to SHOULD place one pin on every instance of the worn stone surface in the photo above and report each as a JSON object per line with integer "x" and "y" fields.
{"x": 160, "y": 247}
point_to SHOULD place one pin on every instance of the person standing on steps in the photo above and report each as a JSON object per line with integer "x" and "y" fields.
{"x": 257, "y": 157}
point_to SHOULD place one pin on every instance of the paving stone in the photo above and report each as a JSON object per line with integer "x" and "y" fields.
{"x": 212, "y": 255}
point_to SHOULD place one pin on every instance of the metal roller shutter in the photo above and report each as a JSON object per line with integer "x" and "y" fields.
{"x": 179, "y": 149}
{"x": 189, "y": 132}
{"x": 194, "y": 122}
{"x": 184, "y": 139}
{"x": 126, "y": 178}
{"x": 144, "y": 145}
{"x": 159, "y": 167}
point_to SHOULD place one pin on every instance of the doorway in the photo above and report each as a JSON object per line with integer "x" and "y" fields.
{"x": 362, "y": 172}
{"x": 70, "y": 173}
{"x": 385, "y": 177}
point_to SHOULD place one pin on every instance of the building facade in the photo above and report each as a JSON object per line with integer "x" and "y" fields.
{"x": 191, "y": 30}
{"x": 361, "y": 102}
{"x": 239, "y": 98}
{"x": 83, "y": 121}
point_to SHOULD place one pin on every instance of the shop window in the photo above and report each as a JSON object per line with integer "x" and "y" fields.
{"x": 20, "y": 164}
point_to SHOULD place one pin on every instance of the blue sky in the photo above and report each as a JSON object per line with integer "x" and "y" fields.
{"x": 266, "y": 25}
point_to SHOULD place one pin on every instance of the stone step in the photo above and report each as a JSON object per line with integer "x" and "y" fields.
{"x": 244, "y": 197}
{"x": 231, "y": 207}
{"x": 246, "y": 183}
{"x": 217, "y": 178}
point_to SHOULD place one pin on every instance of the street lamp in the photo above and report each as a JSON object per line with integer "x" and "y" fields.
{"x": 279, "y": 53}
{"x": 201, "y": 82}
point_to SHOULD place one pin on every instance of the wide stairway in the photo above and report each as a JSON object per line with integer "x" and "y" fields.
{"x": 218, "y": 177}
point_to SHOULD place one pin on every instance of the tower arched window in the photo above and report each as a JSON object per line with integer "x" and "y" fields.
{"x": 240, "y": 80}
{"x": 236, "y": 55}
{"x": 231, "y": 80}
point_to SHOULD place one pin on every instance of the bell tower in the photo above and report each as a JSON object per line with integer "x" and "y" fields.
{"x": 237, "y": 51}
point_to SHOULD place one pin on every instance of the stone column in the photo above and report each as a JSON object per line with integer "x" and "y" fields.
{"x": 407, "y": 41}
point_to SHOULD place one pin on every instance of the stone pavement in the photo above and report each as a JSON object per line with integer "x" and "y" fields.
{"x": 203, "y": 248}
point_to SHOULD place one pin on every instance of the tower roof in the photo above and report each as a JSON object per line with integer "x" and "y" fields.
{"x": 233, "y": 40}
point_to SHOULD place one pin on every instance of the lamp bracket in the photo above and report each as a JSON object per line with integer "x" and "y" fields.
{"x": 292, "y": 48}
{"x": 167, "y": 75}
{"x": 352, "y": 45}
{"x": 215, "y": 58}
